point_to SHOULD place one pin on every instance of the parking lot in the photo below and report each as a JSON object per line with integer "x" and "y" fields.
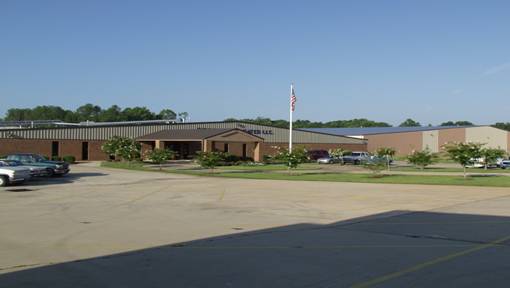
{"x": 101, "y": 227}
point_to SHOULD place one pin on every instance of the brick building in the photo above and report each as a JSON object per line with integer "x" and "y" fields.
{"x": 84, "y": 141}
{"x": 408, "y": 139}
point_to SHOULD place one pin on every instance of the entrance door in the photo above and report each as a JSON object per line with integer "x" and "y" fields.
{"x": 244, "y": 151}
{"x": 85, "y": 151}
{"x": 54, "y": 149}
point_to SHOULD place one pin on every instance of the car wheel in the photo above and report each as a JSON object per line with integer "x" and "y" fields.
{"x": 356, "y": 162}
{"x": 51, "y": 172}
{"x": 4, "y": 181}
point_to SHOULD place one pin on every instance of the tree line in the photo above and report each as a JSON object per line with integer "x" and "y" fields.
{"x": 352, "y": 123}
{"x": 90, "y": 112}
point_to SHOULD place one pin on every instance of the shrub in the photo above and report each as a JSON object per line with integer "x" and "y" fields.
{"x": 69, "y": 159}
{"x": 160, "y": 156}
{"x": 422, "y": 159}
{"x": 209, "y": 159}
{"x": 294, "y": 158}
{"x": 125, "y": 148}
{"x": 375, "y": 166}
{"x": 56, "y": 158}
{"x": 387, "y": 153}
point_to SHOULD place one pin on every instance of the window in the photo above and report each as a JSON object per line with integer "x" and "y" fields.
{"x": 225, "y": 147}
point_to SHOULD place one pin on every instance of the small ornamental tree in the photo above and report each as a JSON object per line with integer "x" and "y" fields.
{"x": 387, "y": 153}
{"x": 376, "y": 166}
{"x": 490, "y": 156}
{"x": 209, "y": 159}
{"x": 464, "y": 153}
{"x": 111, "y": 146}
{"x": 337, "y": 153}
{"x": 129, "y": 149}
{"x": 294, "y": 158}
{"x": 125, "y": 148}
{"x": 422, "y": 159}
{"x": 160, "y": 156}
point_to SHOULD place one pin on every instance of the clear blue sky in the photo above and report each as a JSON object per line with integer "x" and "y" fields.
{"x": 384, "y": 60}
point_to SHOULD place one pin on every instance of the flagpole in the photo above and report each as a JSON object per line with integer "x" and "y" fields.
{"x": 290, "y": 118}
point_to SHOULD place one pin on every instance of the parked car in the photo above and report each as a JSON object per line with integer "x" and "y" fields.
{"x": 35, "y": 171}
{"x": 329, "y": 160}
{"x": 504, "y": 164}
{"x": 52, "y": 167}
{"x": 10, "y": 175}
{"x": 356, "y": 157}
{"x": 316, "y": 154}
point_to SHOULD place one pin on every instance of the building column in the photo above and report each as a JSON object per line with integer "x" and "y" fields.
{"x": 207, "y": 146}
{"x": 256, "y": 153}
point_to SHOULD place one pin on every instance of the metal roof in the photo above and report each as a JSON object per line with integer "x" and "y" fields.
{"x": 190, "y": 134}
{"x": 379, "y": 130}
{"x": 270, "y": 134}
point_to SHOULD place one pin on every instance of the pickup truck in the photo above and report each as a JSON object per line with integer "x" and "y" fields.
{"x": 9, "y": 175}
{"x": 356, "y": 158}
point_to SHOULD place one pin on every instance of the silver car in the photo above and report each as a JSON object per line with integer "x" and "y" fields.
{"x": 329, "y": 160}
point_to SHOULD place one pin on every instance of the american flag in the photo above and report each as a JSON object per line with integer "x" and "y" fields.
{"x": 292, "y": 99}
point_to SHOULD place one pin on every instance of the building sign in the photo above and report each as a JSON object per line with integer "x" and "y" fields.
{"x": 255, "y": 131}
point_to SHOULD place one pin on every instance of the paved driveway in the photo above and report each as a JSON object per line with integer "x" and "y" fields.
{"x": 114, "y": 228}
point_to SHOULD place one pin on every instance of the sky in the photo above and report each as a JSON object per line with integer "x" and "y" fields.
{"x": 432, "y": 61}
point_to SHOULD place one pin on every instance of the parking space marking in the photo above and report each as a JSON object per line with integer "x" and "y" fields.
{"x": 429, "y": 263}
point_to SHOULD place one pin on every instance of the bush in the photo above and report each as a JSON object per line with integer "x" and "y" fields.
{"x": 294, "y": 158}
{"x": 422, "y": 159}
{"x": 375, "y": 166}
{"x": 56, "y": 158}
{"x": 209, "y": 159}
{"x": 125, "y": 148}
{"x": 69, "y": 159}
{"x": 160, "y": 156}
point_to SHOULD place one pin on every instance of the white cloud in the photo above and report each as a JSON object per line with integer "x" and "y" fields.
{"x": 497, "y": 69}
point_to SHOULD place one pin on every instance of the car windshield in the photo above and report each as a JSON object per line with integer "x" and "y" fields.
{"x": 356, "y": 154}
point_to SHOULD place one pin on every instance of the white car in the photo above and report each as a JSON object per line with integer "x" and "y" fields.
{"x": 504, "y": 164}
{"x": 10, "y": 175}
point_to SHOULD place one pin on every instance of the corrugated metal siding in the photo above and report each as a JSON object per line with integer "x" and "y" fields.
{"x": 270, "y": 134}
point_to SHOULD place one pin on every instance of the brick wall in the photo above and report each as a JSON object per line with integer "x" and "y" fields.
{"x": 43, "y": 147}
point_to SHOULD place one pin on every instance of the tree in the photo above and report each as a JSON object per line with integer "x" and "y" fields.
{"x": 502, "y": 125}
{"x": 294, "y": 158}
{"x": 112, "y": 114}
{"x": 337, "y": 152}
{"x": 138, "y": 114}
{"x": 125, "y": 148}
{"x": 160, "y": 156}
{"x": 375, "y": 166}
{"x": 88, "y": 112}
{"x": 209, "y": 159}
{"x": 463, "y": 153}
{"x": 422, "y": 159}
{"x": 387, "y": 153}
{"x": 490, "y": 156}
{"x": 457, "y": 123}
{"x": 167, "y": 114}
{"x": 410, "y": 123}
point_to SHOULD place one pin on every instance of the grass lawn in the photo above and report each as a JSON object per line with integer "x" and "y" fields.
{"x": 270, "y": 167}
{"x": 487, "y": 181}
{"x": 439, "y": 169}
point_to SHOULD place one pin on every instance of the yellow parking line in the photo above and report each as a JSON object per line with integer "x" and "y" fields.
{"x": 429, "y": 263}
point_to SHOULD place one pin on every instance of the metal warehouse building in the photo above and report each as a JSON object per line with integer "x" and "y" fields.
{"x": 408, "y": 139}
{"x": 236, "y": 137}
